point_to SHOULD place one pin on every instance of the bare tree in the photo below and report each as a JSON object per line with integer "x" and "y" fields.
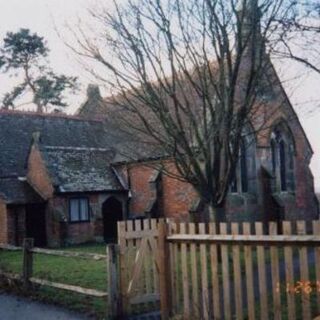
{"x": 188, "y": 77}
{"x": 301, "y": 35}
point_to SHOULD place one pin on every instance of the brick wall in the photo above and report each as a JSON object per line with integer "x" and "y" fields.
{"x": 3, "y": 223}
{"x": 16, "y": 224}
{"x": 37, "y": 173}
{"x": 179, "y": 196}
{"x": 61, "y": 232}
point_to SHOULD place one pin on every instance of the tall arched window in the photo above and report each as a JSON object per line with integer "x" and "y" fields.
{"x": 283, "y": 170}
{"x": 245, "y": 173}
{"x": 273, "y": 155}
{"x": 282, "y": 158}
{"x": 243, "y": 167}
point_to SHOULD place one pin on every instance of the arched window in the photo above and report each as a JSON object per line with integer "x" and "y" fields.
{"x": 273, "y": 155}
{"x": 283, "y": 171}
{"x": 282, "y": 158}
{"x": 243, "y": 167}
{"x": 245, "y": 173}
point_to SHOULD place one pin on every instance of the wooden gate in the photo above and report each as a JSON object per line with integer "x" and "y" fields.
{"x": 141, "y": 265}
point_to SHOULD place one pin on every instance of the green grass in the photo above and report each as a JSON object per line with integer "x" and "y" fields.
{"x": 93, "y": 274}
{"x": 89, "y": 248}
{"x": 179, "y": 281}
{"x": 298, "y": 300}
{"x": 75, "y": 271}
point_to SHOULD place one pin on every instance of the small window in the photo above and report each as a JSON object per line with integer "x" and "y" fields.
{"x": 79, "y": 209}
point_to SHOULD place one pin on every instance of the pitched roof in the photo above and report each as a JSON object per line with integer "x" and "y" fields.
{"x": 80, "y": 169}
{"x": 17, "y": 128}
{"x": 13, "y": 190}
{"x": 116, "y": 111}
{"x": 68, "y": 133}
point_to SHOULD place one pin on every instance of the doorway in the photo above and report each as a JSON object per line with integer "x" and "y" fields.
{"x": 111, "y": 213}
{"x": 36, "y": 224}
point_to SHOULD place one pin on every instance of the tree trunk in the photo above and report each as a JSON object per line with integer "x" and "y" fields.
{"x": 39, "y": 109}
{"x": 216, "y": 213}
{"x": 39, "y": 106}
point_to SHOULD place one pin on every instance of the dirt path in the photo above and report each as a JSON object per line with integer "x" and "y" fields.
{"x": 16, "y": 308}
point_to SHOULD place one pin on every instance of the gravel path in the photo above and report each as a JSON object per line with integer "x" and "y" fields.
{"x": 17, "y": 308}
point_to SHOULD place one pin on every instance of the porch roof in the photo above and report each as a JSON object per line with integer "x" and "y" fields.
{"x": 64, "y": 140}
{"x": 80, "y": 169}
{"x": 15, "y": 191}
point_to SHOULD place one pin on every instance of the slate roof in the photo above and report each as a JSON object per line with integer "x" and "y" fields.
{"x": 17, "y": 128}
{"x": 116, "y": 111}
{"x": 16, "y": 132}
{"x": 80, "y": 169}
{"x": 132, "y": 146}
{"x": 12, "y": 190}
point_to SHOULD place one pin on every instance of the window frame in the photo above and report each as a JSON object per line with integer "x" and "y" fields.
{"x": 79, "y": 213}
{"x": 243, "y": 167}
{"x": 282, "y": 166}
{"x": 283, "y": 159}
{"x": 240, "y": 182}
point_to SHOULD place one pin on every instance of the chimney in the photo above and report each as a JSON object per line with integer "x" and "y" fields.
{"x": 36, "y": 136}
{"x": 93, "y": 92}
{"x": 94, "y": 105}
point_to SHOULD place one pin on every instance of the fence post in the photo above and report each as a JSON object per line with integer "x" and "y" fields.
{"x": 113, "y": 304}
{"x": 164, "y": 270}
{"x": 124, "y": 303}
{"x": 27, "y": 261}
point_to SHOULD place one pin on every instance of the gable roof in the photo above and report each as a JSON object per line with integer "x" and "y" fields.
{"x": 80, "y": 169}
{"x": 290, "y": 106}
{"x": 55, "y": 131}
{"x": 17, "y": 129}
{"x": 113, "y": 111}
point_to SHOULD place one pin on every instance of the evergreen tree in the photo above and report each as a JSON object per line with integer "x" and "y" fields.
{"x": 25, "y": 54}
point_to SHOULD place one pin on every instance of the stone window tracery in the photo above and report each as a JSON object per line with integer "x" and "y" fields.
{"x": 245, "y": 174}
{"x": 282, "y": 158}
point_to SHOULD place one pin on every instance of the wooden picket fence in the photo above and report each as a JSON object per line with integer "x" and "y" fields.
{"x": 230, "y": 271}
{"x": 205, "y": 271}
{"x": 221, "y": 271}
{"x": 141, "y": 265}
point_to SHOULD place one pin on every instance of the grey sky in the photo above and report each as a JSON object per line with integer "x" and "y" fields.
{"x": 41, "y": 16}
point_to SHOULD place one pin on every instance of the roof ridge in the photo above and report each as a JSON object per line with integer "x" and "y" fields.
{"x": 75, "y": 148}
{"x": 48, "y": 115}
{"x": 10, "y": 176}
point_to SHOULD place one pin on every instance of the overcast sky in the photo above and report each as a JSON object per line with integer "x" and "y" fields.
{"x": 45, "y": 16}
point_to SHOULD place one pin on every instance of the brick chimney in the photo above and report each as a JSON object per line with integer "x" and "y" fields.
{"x": 93, "y": 92}
{"x": 94, "y": 106}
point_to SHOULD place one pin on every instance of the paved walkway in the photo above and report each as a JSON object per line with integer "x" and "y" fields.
{"x": 17, "y": 308}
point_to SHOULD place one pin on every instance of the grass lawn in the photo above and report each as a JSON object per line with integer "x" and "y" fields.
{"x": 93, "y": 274}
{"x": 76, "y": 271}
